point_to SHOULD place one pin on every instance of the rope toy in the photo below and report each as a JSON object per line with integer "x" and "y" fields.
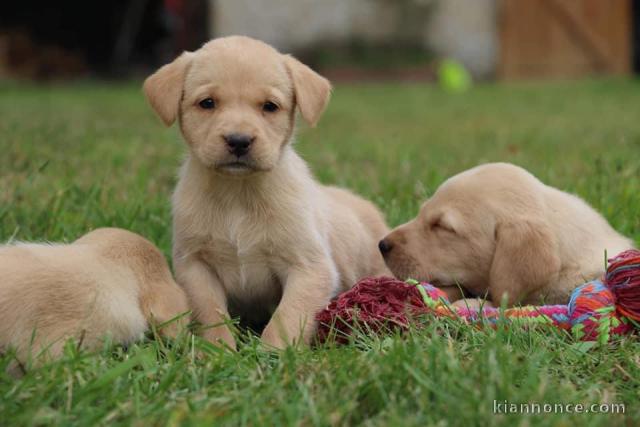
{"x": 597, "y": 310}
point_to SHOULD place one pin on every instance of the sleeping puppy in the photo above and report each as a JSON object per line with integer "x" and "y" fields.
{"x": 497, "y": 230}
{"x": 110, "y": 282}
{"x": 255, "y": 235}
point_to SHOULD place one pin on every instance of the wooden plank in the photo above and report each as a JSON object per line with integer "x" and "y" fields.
{"x": 564, "y": 38}
{"x": 581, "y": 29}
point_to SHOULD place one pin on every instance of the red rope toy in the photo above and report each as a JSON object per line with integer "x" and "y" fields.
{"x": 596, "y": 310}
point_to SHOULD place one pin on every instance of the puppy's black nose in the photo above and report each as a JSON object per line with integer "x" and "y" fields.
{"x": 385, "y": 247}
{"x": 238, "y": 143}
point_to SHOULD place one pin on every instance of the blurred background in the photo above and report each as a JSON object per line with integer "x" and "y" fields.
{"x": 344, "y": 39}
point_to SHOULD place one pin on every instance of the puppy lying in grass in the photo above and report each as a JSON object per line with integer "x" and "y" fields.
{"x": 110, "y": 282}
{"x": 497, "y": 230}
{"x": 255, "y": 235}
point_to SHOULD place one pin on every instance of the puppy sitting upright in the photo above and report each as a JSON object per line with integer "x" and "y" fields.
{"x": 254, "y": 235}
{"x": 497, "y": 228}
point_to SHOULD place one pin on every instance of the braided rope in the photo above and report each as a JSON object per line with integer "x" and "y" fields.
{"x": 596, "y": 310}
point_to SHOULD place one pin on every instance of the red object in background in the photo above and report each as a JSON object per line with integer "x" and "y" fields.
{"x": 52, "y": 40}
{"x": 189, "y": 21}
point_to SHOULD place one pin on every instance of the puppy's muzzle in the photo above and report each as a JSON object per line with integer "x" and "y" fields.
{"x": 239, "y": 143}
{"x": 385, "y": 247}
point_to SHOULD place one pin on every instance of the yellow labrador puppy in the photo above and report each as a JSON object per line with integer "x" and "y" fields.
{"x": 497, "y": 229}
{"x": 255, "y": 235}
{"x": 109, "y": 282}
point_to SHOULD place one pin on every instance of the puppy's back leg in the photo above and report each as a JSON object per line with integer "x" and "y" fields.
{"x": 165, "y": 306}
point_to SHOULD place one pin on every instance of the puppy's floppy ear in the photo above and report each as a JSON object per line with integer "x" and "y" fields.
{"x": 311, "y": 89}
{"x": 526, "y": 259}
{"x": 163, "y": 88}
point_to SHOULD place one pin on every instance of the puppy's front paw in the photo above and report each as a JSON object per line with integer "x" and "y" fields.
{"x": 274, "y": 338}
{"x": 220, "y": 336}
{"x": 174, "y": 327}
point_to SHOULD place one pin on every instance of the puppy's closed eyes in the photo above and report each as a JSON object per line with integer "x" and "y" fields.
{"x": 497, "y": 230}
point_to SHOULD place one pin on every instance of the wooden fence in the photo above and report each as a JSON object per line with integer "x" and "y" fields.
{"x": 564, "y": 38}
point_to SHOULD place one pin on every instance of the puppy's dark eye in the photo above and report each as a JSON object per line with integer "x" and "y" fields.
{"x": 270, "y": 107}
{"x": 207, "y": 104}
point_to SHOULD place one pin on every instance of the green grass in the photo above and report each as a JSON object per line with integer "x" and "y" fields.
{"x": 78, "y": 157}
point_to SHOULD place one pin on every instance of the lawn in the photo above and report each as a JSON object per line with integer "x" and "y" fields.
{"x": 89, "y": 155}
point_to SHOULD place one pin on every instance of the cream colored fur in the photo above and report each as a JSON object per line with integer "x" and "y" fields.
{"x": 256, "y": 234}
{"x": 110, "y": 282}
{"x": 497, "y": 229}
